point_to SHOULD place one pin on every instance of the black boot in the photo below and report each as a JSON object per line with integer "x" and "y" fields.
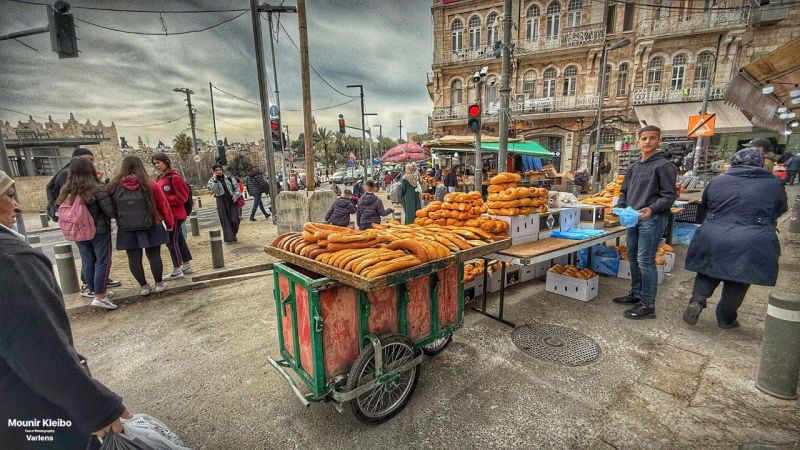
{"x": 692, "y": 312}
{"x": 627, "y": 299}
{"x": 641, "y": 311}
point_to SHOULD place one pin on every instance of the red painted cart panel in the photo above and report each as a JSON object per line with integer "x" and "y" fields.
{"x": 419, "y": 308}
{"x": 286, "y": 319}
{"x": 383, "y": 311}
{"x": 448, "y": 296}
{"x": 304, "y": 328}
{"x": 340, "y": 333}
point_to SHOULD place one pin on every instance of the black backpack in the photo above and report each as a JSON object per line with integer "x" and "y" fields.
{"x": 188, "y": 205}
{"x": 132, "y": 214}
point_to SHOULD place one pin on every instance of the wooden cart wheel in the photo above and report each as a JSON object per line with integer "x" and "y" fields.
{"x": 436, "y": 346}
{"x": 394, "y": 388}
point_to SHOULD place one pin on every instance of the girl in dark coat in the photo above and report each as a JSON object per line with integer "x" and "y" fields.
{"x": 737, "y": 243}
{"x": 227, "y": 192}
{"x": 370, "y": 208}
{"x": 340, "y": 211}
{"x": 82, "y": 182}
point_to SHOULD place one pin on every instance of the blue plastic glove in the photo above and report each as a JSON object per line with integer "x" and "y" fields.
{"x": 628, "y": 217}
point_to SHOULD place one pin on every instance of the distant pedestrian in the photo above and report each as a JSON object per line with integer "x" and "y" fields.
{"x": 410, "y": 191}
{"x": 227, "y": 194}
{"x": 341, "y": 209}
{"x": 450, "y": 179}
{"x": 42, "y": 376}
{"x": 358, "y": 189}
{"x": 256, "y": 186}
{"x": 792, "y": 169}
{"x": 82, "y": 187}
{"x": 649, "y": 188}
{"x": 175, "y": 189}
{"x": 370, "y": 208}
{"x": 141, "y": 209}
{"x": 737, "y": 245}
{"x": 765, "y": 146}
{"x": 387, "y": 180}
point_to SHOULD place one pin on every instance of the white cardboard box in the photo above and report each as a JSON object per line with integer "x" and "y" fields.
{"x": 569, "y": 217}
{"x": 625, "y": 270}
{"x": 521, "y": 229}
{"x": 669, "y": 258}
{"x": 592, "y": 217}
{"x": 547, "y": 223}
{"x": 583, "y": 290}
{"x": 476, "y": 285}
{"x": 512, "y": 277}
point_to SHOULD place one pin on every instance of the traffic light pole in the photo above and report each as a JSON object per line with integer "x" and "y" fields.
{"x": 213, "y": 114}
{"x": 270, "y": 10}
{"x": 478, "y": 157}
{"x": 189, "y": 93}
{"x": 363, "y": 131}
{"x": 505, "y": 89}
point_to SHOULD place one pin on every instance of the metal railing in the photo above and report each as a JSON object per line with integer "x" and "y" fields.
{"x": 689, "y": 94}
{"x": 709, "y": 20}
{"x": 527, "y": 106}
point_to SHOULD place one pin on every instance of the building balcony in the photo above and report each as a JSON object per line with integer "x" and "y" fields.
{"x": 689, "y": 94}
{"x": 697, "y": 23}
{"x": 522, "y": 108}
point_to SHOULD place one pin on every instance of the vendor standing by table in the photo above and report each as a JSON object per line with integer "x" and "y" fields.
{"x": 649, "y": 187}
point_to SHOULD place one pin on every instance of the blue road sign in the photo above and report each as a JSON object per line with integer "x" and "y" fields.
{"x": 273, "y": 111}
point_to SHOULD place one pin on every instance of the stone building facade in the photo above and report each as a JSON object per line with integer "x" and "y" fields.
{"x": 677, "y": 48}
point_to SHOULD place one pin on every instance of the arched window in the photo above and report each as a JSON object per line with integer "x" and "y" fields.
{"x": 678, "y": 72}
{"x": 456, "y": 93}
{"x": 492, "y": 29}
{"x": 474, "y": 32}
{"x": 491, "y": 89}
{"x": 532, "y": 23}
{"x": 622, "y": 80}
{"x": 574, "y": 13}
{"x": 702, "y": 69}
{"x": 457, "y": 34}
{"x": 654, "y": 71}
{"x": 606, "y": 77}
{"x": 549, "y": 84}
{"x": 553, "y": 20}
{"x": 529, "y": 83}
{"x": 570, "y": 80}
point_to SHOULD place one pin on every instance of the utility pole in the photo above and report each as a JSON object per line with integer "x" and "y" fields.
{"x": 213, "y": 115}
{"x": 308, "y": 128}
{"x": 698, "y": 148}
{"x": 189, "y": 93}
{"x": 6, "y": 167}
{"x": 505, "y": 89}
{"x": 263, "y": 95}
{"x": 286, "y": 149}
{"x": 401, "y": 128}
{"x": 363, "y": 131}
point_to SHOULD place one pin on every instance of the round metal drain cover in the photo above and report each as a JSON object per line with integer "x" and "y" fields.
{"x": 556, "y": 344}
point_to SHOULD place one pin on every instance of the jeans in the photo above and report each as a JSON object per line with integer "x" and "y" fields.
{"x": 96, "y": 261}
{"x": 178, "y": 250}
{"x": 732, "y": 296}
{"x": 258, "y": 203}
{"x": 642, "y": 242}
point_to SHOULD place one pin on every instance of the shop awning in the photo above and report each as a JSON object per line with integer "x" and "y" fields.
{"x": 530, "y": 148}
{"x": 673, "y": 118}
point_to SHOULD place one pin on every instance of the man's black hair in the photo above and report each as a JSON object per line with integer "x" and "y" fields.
{"x": 78, "y": 152}
{"x": 650, "y": 128}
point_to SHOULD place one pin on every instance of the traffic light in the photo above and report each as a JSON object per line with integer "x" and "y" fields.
{"x": 474, "y": 117}
{"x": 222, "y": 160}
{"x": 341, "y": 123}
{"x": 63, "y": 40}
{"x": 277, "y": 139}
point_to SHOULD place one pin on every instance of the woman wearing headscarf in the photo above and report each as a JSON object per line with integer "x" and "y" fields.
{"x": 227, "y": 193}
{"x": 737, "y": 244}
{"x": 409, "y": 193}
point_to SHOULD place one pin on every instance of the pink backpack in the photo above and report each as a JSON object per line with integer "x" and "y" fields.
{"x": 75, "y": 221}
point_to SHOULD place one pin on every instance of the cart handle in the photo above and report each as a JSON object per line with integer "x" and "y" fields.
{"x": 289, "y": 301}
{"x": 291, "y": 382}
{"x": 317, "y": 321}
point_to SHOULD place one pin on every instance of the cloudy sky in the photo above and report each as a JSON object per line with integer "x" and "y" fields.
{"x": 385, "y": 45}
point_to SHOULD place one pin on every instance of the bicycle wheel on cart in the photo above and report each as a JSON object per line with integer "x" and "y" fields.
{"x": 436, "y": 346}
{"x": 392, "y": 388}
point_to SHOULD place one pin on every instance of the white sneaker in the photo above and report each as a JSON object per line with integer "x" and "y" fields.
{"x": 103, "y": 303}
{"x": 176, "y": 274}
{"x": 144, "y": 290}
{"x": 159, "y": 287}
{"x": 86, "y": 292}
{"x": 186, "y": 269}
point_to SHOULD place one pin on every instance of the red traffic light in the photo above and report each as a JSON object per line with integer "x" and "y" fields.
{"x": 474, "y": 110}
{"x": 274, "y": 126}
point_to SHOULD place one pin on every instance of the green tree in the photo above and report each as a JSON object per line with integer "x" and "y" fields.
{"x": 182, "y": 144}
{"x": 240, "y": 166}
{"x": 325, "y": 147}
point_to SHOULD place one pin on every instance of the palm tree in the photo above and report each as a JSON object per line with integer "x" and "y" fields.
{"x": 183, "y": 146}
{"x": 324, "y": 146}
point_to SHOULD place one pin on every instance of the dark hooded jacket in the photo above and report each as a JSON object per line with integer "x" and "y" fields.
{"x": 738, "y": 240}
{"x": 370, "y": 210}
{"x": 649, "y": 184}
{"x": 340, "y": 211}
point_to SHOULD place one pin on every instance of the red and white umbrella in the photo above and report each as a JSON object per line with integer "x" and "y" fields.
{"x": 407, "y": 152}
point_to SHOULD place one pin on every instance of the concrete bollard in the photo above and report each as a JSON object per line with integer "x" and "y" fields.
{"x": 194, "y": 224}
{"x": 34, "y": 240}
{"x": 794, "y": 222}
{"x": 396, "y": 216}
{"x": 217, "y": 258}
{"x": 45, "y": 220}
{"x": 65, "y": 263}
{"x": 780, "y": 357}
{"x": 199, "y": 202}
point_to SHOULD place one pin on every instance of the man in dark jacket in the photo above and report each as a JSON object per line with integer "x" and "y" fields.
{"x": 340, "y": 211}
{"x": 792, "y": 169}
{"x": 44, "y": 383}
{"x": 257, "y": 185}
{"x": 738, "y": 242}
{"x": 649, "y": 187}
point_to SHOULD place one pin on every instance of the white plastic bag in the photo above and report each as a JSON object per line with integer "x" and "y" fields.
{"x": 152, "y": 432}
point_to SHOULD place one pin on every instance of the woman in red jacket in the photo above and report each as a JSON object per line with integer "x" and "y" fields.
{"x": 141, "y": 208}
{"x": 176, "y": 190}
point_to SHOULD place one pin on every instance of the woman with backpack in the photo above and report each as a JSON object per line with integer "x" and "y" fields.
{"x": 226, "y": 190}
{"x": 141, "y": 208}
{"x": 177, "y": 193}
{"x": 86, "y": 210}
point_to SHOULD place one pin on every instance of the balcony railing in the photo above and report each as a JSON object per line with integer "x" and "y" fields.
{"x": 705, "y": 21}
{"x": 690, "y": 94}
{"x": 527, "y": 106}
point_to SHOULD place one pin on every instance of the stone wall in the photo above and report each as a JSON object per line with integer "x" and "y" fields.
{"x": 32, "y": 193}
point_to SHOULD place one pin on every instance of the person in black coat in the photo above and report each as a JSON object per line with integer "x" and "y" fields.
{"x": 257, "y": 185}
{"x": 370, "y": 208}
{"x": 792, "y": 169}
{"x": 737, "y": 243}
{"x": 42, "y": 376}
{"x": 341, "y": 209}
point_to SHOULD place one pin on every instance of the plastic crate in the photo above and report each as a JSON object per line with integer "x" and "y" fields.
{"x": 692, "y": 213}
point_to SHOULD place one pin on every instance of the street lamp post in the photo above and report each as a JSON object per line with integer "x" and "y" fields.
{"x": 600, "y": 95}
{"x": 189, "y": 93}
{"x": 363, "y": 131}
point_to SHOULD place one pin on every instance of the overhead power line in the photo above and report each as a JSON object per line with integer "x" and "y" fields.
{"x": 284, "y": 109}
{"x": 698, "y": 9}
{"x": 153, "y": 124}
{"x": 164, "y": 33}
{"x": 154, "y": 11}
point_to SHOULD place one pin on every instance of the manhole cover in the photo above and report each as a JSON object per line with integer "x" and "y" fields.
{"x": 248, "y": 250}
{"x": 556, "y": 344}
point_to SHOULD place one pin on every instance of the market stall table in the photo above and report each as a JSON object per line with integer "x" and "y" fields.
{"x": 537, "y": 252}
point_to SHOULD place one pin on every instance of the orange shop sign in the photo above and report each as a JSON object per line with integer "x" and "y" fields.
{"x": 702, "y": 125}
